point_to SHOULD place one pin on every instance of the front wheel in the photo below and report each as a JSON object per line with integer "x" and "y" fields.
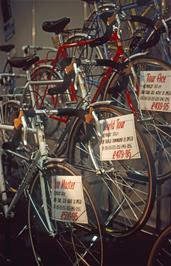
{"x": 125, "y": 88}
{"x": 125, "y": 189}
{"x": 67, "y": 243}
{"x": 161, "y": 250}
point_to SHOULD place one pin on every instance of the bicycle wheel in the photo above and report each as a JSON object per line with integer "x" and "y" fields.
{"x": 42, "y": 98}
{"x": 54, "y": 125}
{"x": 124, "y": 90}
{"x": 165, "y": 43}
{"x": 125, "y": 189}
{"x": 71, "y": 243}
{"x": 161, "y": 250}
{"x": 92, "y": 73}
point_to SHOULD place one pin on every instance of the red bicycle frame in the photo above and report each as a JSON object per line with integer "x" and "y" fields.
{"x": 62, "y": 54}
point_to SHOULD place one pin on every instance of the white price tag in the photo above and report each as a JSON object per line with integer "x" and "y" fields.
{"x": 119, "y": 141}
{"x": 155, "y": 91}
{"x": 68, "y": 203}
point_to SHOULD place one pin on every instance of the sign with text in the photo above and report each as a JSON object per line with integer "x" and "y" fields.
{"x": 68, "y": 203}
{"x": 155, "y": 91}
{"x": 119, "y": 141}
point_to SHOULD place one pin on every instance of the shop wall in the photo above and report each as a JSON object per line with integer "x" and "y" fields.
{"x": 30, "y": 13}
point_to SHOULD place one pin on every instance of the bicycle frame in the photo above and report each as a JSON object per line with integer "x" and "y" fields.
{"x": 62, "y": 53}
{"x": 36, "y": 163}
{"x": 119, "y": 56}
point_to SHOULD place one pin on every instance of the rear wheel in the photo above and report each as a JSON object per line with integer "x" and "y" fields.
{"x": 54, "y": 125}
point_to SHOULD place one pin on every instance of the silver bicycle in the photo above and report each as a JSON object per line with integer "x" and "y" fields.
{"x": 73, "y": 232}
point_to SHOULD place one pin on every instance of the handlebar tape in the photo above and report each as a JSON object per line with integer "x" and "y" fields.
{"x": 143, "y": 20}
{"x": 71, "y": 112}
{"x": 110, "y": 63}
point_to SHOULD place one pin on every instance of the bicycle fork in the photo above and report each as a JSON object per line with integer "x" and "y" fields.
{"x": 22, "y": 187}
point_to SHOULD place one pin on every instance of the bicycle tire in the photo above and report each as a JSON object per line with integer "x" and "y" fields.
{"x": 165, "y": 44}
{"x": 156, "y": 125}
{"x": 53, "y": 125}
{"x": 92, "y": 73}
{"x": 119, "y": 193}
{"x": 72, "y": 243}
{"x": 160, "y": 253}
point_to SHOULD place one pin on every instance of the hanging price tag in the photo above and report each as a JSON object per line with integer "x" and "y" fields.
{"x": 155, "y": 91}
{"x": 119, "y": 140}
{"x": 68, "y": 203}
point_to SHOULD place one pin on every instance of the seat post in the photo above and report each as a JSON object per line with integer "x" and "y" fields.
{"x": 57, "y": 39}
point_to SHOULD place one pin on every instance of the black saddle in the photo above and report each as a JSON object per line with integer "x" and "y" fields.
{"x": 7, "y": 47}
{"x": 56, "y": 26}
{"x": 23, "y": 62}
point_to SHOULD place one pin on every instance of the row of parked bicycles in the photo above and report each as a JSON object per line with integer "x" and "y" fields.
{"x": 85, "y": 130}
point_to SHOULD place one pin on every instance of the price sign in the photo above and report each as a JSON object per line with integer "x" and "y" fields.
{"x": 155, "y": 91}
{"x": 119, "y": 140}
{"x": 68, "y": 203}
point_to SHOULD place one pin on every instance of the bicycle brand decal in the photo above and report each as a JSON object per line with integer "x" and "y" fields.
{"x": 155, "y": 93}
{"x": 119, "y": 141}
{"x": 68, "y": 203}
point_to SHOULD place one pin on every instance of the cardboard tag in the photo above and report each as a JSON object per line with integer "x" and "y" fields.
{"x": 68, "y": 204}
{"x": 119, "y": 141}
{"x": 155, "y": 91}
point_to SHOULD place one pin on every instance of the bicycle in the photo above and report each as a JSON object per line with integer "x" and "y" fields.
{"x": 119, "y": 205}
{"x": 125, "y": 230}
{"x": 55, "y": 68}
{"x": 75, "y": 232}
{"x": 115, "y": 83}
{"x": 119, "y": 199}
{"x": 94, "y": 25}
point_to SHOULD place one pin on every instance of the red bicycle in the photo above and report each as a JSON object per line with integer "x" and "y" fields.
{"x": 120, "y": 86}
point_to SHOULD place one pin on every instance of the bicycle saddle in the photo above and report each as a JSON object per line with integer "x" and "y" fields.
{"x": 55, "y": 26}
{"x": 23, "y": 62}
{"x": 7, "y": 47}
